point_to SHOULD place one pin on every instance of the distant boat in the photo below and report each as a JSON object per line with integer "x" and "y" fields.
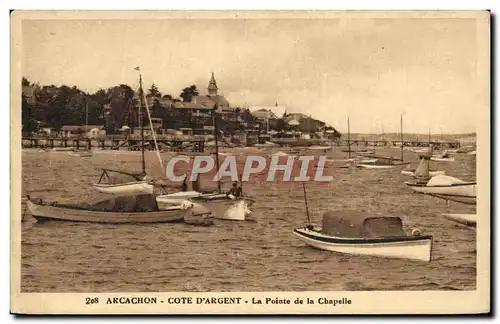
{"x": 444, "y": 185}
{"x": 422, "y": 171}
{"x": 465, "y": 219}
{"x": 382, "y": 164}
{"x": 319, "y": 148}
{"x": 443, "y": 159}
{"x": 121, "y": 209}
{"x": 472, "y": 153}
{"x": 460, "y": 199}
{"x": 86, "y": 153}
{"x": 355, "y": 233}
{"x": 62, "y": 149}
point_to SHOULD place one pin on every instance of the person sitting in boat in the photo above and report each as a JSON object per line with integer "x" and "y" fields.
{"x": 184, "y": 186}
{"x": 235, "y": 192}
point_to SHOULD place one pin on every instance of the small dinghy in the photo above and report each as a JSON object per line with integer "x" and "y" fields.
{"x": 351, "y": 232}
{"x": 237, "y": 212}
{"x": 444, "y": 185}
{"x": 464, "y": 219}
{"x": 62, "y": 149}
{"x": 320, "y": 148}
{"x": 117, "y": 210}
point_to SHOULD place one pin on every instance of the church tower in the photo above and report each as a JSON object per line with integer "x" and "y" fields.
{"x": 212, "y": 87}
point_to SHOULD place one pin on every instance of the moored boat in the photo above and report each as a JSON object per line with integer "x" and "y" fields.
{"x": 380, "y": 164}
{"x": 464, "y": 219}
{"x": 442, "y": 159}
{"x": 116, "y": 210}
{"x": 431, "y": 173}
{"x": 444, "y": 185}
{"x": 360, "y": 234}
{"x": 86, "y": 153}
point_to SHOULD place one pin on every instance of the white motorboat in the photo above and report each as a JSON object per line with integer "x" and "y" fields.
{"x": 464, "y": 219}
{"x": 361, "y": 234}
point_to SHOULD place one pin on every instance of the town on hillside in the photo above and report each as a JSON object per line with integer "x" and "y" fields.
{"x": 68, "y": 112}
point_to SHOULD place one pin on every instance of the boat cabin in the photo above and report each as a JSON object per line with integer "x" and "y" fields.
{"x": 353, "y": 224}
{"x": 127, "y": 204}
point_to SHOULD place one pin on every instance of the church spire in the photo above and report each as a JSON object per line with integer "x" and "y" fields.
{"x": 212, "y": 86}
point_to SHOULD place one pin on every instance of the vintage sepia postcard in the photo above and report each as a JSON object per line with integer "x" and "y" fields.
{"x": 250, "y": 162}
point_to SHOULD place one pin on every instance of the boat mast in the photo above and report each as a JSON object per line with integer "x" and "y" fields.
{"x": 86, "y": 116}
{"x": 141, "y": 122}
{"x": 430, "y": 148}
{"x": 307, "y": 208}
{"x": 402, "y": 143}
{"x": 349, "y": 136}
{"x": 216, "y": 135}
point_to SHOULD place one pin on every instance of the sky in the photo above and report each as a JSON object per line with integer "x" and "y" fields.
{"x": 370, "y": 70}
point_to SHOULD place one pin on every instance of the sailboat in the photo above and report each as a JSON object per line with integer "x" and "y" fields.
{"x": 139, "y": 183}
{"x": 87, "y": 152}
{"x": 351, "y": 232}
{"x": 422, "y": 169}
{"x": 237, "y": 212}
{"x": 382, "y": 162}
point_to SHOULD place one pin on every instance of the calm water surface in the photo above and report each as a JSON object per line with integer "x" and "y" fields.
{"x": 259, "y": 255}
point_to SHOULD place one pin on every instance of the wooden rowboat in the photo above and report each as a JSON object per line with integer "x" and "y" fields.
{"x": 117, "y": 210}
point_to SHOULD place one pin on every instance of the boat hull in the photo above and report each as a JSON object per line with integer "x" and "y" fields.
{"x": 442, "y": 159}
{"x": 431, "y": 173}
{"x": 46, "y": 212}
{"x": 464, "y": 219}
{"x": 136, "y": 187}
{"x": 461, "y": 190}
{"x": 375, "y": 166}
{"x": 412, "y": 247}
{"x": 81, "y": 154}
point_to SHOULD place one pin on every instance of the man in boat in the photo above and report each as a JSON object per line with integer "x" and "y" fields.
{"x": 184, "y": 186}
{"x": 235, "y": 191}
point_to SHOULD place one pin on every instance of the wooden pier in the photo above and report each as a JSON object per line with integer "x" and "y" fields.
{"x": 114, "y": 143}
